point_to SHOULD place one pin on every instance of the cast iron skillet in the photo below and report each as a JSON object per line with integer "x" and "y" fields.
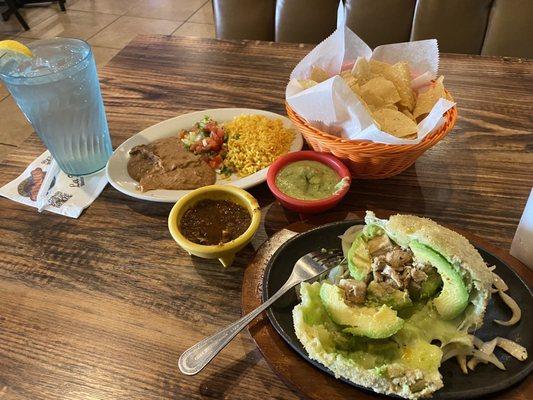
{"x": 486, "y": 379}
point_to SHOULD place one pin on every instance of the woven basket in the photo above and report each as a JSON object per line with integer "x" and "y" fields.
{"x": 369, "y": 160}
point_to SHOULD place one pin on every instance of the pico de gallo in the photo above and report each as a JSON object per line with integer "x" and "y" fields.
{"x": 209, "y": 140}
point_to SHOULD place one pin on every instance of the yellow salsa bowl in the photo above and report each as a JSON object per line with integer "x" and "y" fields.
{"x": 225, "y": 252}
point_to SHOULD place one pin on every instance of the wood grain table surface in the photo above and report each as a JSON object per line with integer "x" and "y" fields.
{"x": 102, "y": 306}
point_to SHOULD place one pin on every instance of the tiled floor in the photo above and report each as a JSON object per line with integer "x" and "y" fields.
{"x": 108, "y": 25}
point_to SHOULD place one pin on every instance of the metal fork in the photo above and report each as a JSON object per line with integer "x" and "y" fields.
{"x": 307, "y": 267}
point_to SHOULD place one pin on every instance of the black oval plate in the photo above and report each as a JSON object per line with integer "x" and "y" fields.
{"x": 486, "y": 379}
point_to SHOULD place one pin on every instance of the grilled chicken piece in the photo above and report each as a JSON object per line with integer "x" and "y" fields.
{"x": 379, "y": 245}
{"x": 394, "y": 276}
{"x": 418, "y": 275}
{"x": 393, "y": 265}
{"x": 376, "y": 275}
{"x": 398, "y": 258}
{"x": 355, "y": 291}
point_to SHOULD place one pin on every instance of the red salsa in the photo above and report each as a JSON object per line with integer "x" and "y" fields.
{"x": 212, "y": 222}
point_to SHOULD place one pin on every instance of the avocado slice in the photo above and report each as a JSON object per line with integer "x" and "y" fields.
{"x": 370, "y": 231}
{"x": 359, "y": 261}
{"x": 427, "y": 289}
{"x": 453, "y": 297}
{"x": 372, "y": 322}
{"x": 396, "y": 299}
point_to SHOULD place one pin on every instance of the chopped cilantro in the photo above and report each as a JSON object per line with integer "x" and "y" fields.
{"x": 225, "y": 170}
{"x": 204, "y": 122}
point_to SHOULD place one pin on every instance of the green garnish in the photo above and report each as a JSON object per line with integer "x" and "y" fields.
{"x": 204, "y": 122}
{"x": 225, "y": 170}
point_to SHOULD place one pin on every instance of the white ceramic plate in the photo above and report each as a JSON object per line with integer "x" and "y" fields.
{"x": 116, "y": 168}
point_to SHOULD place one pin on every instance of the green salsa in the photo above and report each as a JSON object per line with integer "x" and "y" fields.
{"x": 308, "y": 180}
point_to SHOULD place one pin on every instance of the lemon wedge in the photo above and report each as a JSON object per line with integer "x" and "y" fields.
{"x": 14, "y": 47}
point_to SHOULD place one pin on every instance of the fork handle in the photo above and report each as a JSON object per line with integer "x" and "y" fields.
{"x": 194, "y": 359}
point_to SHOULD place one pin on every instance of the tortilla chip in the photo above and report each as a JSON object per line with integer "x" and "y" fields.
{"x": 318, "y": 75}
{"x": 426, "y": 100}
{"x": 354, "y": 86}
{"x": 395, "y": 123}
{"x": 448, "y": 95}
{"x": 351, "y": 81}
{"x": 373, "y": 101}
{"x": 307, "y": 83}
{"x": 380, "y": 68}
{"x": 364, "y": 102}
{"x": 399, "y": 75}
{"x": 411, "y": 137}
{"x": 391, "y": 107}
{"x": 403, "y": 84}
{"x": 382, "y": 88}
{"x": 346, "y": 75}
{"x": 406, "y": 112}
{"x": 361, "y": 70}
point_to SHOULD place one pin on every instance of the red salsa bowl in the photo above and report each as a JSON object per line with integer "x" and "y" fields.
{"x": 308, "y": 206}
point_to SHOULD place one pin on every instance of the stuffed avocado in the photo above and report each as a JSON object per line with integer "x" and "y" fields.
{"x": 404, "y": 300}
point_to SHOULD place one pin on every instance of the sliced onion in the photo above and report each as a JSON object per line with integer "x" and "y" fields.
{"x": 348, "y": 237}
{"x": 513, "y": 348}
{"x": 455, "y": 350}
{"x": 350, "y": 233}
{"x": 461, "y": 360}
{"x": 463, "y": 341}
{"x": 499, "y": 282}
{"x": 485, "y": 348}
{"x": 336, "y": 274}
{"x": 450, "y": 353}
{"x": 477, "y": 341}
{"x": 517, "y": 313}
{"x": 472, "y": 363}
{"x": 492, "y": 268}
{"x": 484, "y": 358}
{"x": 488, "y": 347}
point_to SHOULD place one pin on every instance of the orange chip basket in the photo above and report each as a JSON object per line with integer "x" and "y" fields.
{"x": 366, "y": 159}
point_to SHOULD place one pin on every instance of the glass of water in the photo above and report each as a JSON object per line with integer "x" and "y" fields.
{"x": 58, "y": 91}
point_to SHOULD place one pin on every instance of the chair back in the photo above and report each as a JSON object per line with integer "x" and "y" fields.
{"x": 488, "y": 27}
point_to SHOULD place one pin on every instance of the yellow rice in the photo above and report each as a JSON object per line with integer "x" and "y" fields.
{"x": 255, "y": 141}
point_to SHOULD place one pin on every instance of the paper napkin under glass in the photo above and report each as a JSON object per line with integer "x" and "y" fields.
{"x": 68, "y": 195}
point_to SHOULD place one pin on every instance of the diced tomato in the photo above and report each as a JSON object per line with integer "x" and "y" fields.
{"x": 211, "y": 147}
{"x": 211, "y": 144}
{"x": 220, "y": 133}
{"x": 216, "y": 160}
{"x": 210, "y": 126}
{"x": 213, "y": 138}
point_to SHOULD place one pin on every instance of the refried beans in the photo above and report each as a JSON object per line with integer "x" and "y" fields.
{"x": 166, "y": 164}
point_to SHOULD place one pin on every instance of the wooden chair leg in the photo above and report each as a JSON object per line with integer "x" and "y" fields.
{"x": 22, "y": 21}
{"x": 6, "y": 14}
{"x": 13, "y": 10}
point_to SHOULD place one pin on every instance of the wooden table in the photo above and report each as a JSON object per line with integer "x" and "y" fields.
{"x": 101, "y": 307}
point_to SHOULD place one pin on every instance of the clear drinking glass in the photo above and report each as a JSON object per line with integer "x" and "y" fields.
{"x": 59, "y": 92}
